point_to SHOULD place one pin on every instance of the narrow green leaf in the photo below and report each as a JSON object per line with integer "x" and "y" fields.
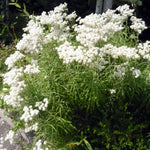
{"x": 88, "y": 145}
{"x": 15, "y": 4}
{"x": 3, "y": 30}
{"x": 25, "y": 10}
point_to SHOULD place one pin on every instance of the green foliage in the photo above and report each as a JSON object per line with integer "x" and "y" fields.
{"x": 15, "y": 4}
{"x": 20, "y": 8}
{"x": 5, "y": 30}
{"x": 11, "y": 22}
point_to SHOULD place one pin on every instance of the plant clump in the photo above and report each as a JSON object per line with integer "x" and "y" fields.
{"x": 81, "y": 83}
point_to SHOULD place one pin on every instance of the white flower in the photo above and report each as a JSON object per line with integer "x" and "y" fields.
{"x": 71, "y": 16}
{"x": 120, "y": 71}
{"x": 95, "y": 27}
{"x": 61, "y": 8}
{"x": 26, "y": 116}
{"x": 123, "y": 51}
{"x": 136, "y": 72}
{"x": 70, "y": 53}
{"x": 33, "y": 127}
{"x": 125, "y": 10}
{"x": 12, "y": 78}
{"x": 45, "y": 142}
{"x": 10, "y": 136}
{"x": 44, "y": 18}
{"x": 39, "y": 145}
{"x": 13, "y": 58}
{"x": 32, "y": 69}
{"x": 35, "y": 62}
{"x": 137, "y": 24}
{"x": 13, "y": 98}
{"x": 33, "y": 112}
{"x": 42, "y": 105}
{"x": 144, "y": 50}
{"x": 31, "y": 41}
{"x": 112, "y": 91}
{"x": 29, "y": 113}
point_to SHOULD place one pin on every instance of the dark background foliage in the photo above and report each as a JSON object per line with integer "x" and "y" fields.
{"x": 14, "y": 20}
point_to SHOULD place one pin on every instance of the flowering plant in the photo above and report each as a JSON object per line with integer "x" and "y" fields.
{"x": 79, "y": 79}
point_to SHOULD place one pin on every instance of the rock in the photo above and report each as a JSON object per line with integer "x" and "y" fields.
{"x": 20, "y": 140}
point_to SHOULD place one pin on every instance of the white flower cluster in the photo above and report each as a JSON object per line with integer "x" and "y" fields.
{"x": 29, "y": 113}
{"x": 137, "y": 24}
{"x": 12, "y": 78}
{"x": 116, "y": 52}
{"x": 31, "y": 69}
{"x": 112, "y": 91}
{"x": 42, "y": 105}
{"x": 135, "y": 72}
{"x": 10, "y": 136}
{"x": 144, "y": 50}
{"x": 120, "y": 71}
{"x": 57, "y": 21}
{"x": 125, "y": 11}
{"x": 97, "y": 27}
{"x": 70, "y": 53}
{"x": 13, "y": 58}
{"x": 31, "y": 41}
{"x": 94, "y": 56}
{"x": 33, "y": 127}
{"x": 39, "y": 145}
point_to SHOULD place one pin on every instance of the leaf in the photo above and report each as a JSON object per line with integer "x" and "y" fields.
{"x": 25, "y": 10}
{"x": 117, "y": 132}
{"x": 3, "y": 30}
{"x": 88, "y": 145}
{"x": 15, "y": 4}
